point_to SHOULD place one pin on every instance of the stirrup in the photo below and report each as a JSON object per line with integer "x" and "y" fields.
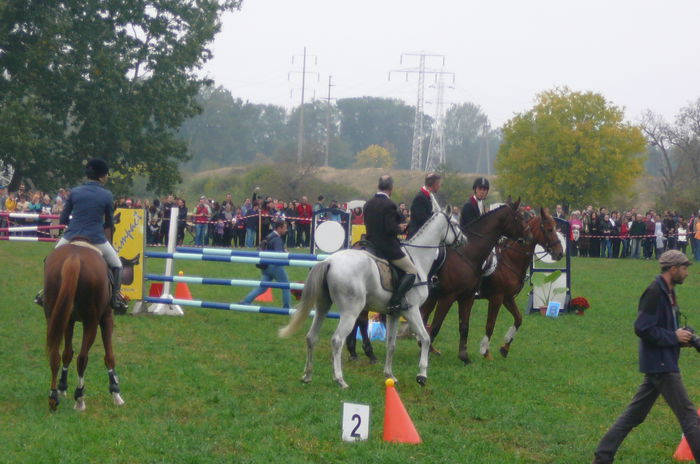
{"x": 39, "y": 298}
{"x": 118, "y": 304}
{"x": 397, "y": 307}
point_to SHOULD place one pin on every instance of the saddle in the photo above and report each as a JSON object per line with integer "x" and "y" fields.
{"x": 83, "y": 242}
{"x": 388, "y": 275}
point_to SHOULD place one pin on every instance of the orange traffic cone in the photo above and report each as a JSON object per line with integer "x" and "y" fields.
{"x": 156, "y": 290}
{"x": 265, "y": 297}
{"x": 683, "y": 452}
{"x": 398, "y": 426}
{"x": 182, "y": 291}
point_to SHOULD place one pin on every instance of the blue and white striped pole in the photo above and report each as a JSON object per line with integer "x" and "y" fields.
{"x": 231, "y": 282}
{"x": 251, "y": 254}
{"x": 231, "y": 306}
{"x": 231, "y": 259}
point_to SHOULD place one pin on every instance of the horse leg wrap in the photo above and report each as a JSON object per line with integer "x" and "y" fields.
{"x": 63, "y": 381}
{"x": 510, "y": 335}
{"x": 484, "y": 345}
{"x": 79, "y": 393}
{"x": 113, "y": 381}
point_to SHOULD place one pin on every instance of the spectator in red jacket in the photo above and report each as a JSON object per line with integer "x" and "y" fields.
{"x": 304, "y": 212}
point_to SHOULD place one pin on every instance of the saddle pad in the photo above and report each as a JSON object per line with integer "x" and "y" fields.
{"x": 85, "y": 244}
{"x": 385, "y": 274}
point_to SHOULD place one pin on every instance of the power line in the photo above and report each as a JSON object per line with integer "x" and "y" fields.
{"x": 421, "y": 70}
{"x": 328, "y": 119}
{"x": 300, "y": 136}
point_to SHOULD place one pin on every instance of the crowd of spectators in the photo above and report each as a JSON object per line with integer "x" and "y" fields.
{"x": 631, "y": 234}
{"x": 594, "y": 232}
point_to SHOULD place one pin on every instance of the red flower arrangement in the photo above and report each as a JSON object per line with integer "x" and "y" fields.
{"x": 579, "y": 304}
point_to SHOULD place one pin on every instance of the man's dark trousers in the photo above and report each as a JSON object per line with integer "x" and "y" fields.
{"x": 670, "y": 386}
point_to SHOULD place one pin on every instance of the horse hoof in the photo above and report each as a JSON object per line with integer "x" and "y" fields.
{"x": 465, "y": 359}
{"x": 435, "y": 351}
{"x": 53, "y": 404}
{"x": 63, "y": 393}
{"x": 79, "y": 405}
{"x": 306, "y": 379}
{"x": 352, "y": 358}
{"x": 342, "y": 384}
{"x": 487, "y": 356}
{"x": 422, "y": 380}
{"x": 373, "y": 359}
{"x": 504, "y": 352}
{"x": 118, "y": 400}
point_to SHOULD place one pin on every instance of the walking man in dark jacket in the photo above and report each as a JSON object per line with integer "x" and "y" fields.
{"x": 382, "y": 220}
{"x": 661, "y": 339}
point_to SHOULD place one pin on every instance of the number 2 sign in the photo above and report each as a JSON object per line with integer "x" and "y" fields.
{"x": 355, "y": 422}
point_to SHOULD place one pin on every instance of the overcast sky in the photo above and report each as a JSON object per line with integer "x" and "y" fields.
{"x": 639, "y": 54}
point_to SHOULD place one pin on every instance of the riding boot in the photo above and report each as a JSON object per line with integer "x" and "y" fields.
{"x": 117, "y": 302}
{"x": 397, "y": 302}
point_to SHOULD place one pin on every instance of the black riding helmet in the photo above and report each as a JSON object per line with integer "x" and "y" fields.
{"x": 482, "y": 182}
{"x": 96, "y": 168}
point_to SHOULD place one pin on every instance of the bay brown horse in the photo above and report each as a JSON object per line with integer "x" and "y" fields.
{"x": 77, "y": 288}
{"x": 500, "y": 288}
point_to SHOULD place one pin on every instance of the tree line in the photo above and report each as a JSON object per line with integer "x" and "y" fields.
{"x": 362, "y": 131}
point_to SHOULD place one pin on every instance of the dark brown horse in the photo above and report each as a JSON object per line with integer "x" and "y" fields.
{"x": 76, "y": 288}
{"x": 501, "y": 287}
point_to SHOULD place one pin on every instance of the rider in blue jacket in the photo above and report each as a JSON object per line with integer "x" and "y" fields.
{"x": 88, "y": 213}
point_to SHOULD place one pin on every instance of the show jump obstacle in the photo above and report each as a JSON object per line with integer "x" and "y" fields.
{"x": 165, "y": 304}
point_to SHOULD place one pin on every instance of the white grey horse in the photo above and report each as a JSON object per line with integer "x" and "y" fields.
{"x": 350, "y": 280}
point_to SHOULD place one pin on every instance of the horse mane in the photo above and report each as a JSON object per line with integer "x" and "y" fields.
{"x": 420, "y": 231}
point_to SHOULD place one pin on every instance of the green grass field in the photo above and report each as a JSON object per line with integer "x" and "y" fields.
{"x": 218, "y": 386}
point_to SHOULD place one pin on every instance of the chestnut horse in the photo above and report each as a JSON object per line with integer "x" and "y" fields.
{"x": 76, "y": 288}
{"x": 501, "y": 287}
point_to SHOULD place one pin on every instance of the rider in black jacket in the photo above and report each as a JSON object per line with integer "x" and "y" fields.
{"x": 382, "y": 220}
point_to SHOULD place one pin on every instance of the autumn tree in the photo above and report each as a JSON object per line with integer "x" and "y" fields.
{"x": 85, "y": 78}
{"x": 374, "y": 156}
{"x": 571, "y": 147}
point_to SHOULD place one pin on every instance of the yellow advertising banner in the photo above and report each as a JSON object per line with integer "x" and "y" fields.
{"x": 129, "y": 238}
{"x": 358, "y": 230}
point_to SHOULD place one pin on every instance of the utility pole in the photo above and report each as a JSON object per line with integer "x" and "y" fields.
{"x": 300, "y": 136}
{"x": 484, "y": 150}
{"x": 417, "y": 149}
{"x": 436, "y": 147}
{"x": 328, "y": 120}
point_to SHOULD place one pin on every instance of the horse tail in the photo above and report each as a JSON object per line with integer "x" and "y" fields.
{"x": 61, "y": 311}
{"x": 315, "y": 283}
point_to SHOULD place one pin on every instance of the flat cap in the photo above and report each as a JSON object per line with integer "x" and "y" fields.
{"x": 674, "y": 258}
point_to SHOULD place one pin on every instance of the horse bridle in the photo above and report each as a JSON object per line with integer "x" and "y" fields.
{"x": 451, "y": 228}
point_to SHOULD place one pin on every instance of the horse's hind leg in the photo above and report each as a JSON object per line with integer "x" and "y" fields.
{"x": 485, "y": 344}
{"x": 351, "y": 341}
{"x": 54, "y": 362}
{"x": 517, "y": 321}
{"x": 346, "y": 324}
{"x": 89, "y": 334}
{"x": 66, "y": 358}
{"x": 312, "y": 338}
{"x": 443, "y": 307}
{"x": 106, "y": 327}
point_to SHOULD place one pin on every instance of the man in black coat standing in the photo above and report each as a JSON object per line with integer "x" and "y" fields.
{"x": 422, "y": 206}
{"x": 382, "y": 220}
{"x": 474, "y": 208}
{"x": 661, "y": 337}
